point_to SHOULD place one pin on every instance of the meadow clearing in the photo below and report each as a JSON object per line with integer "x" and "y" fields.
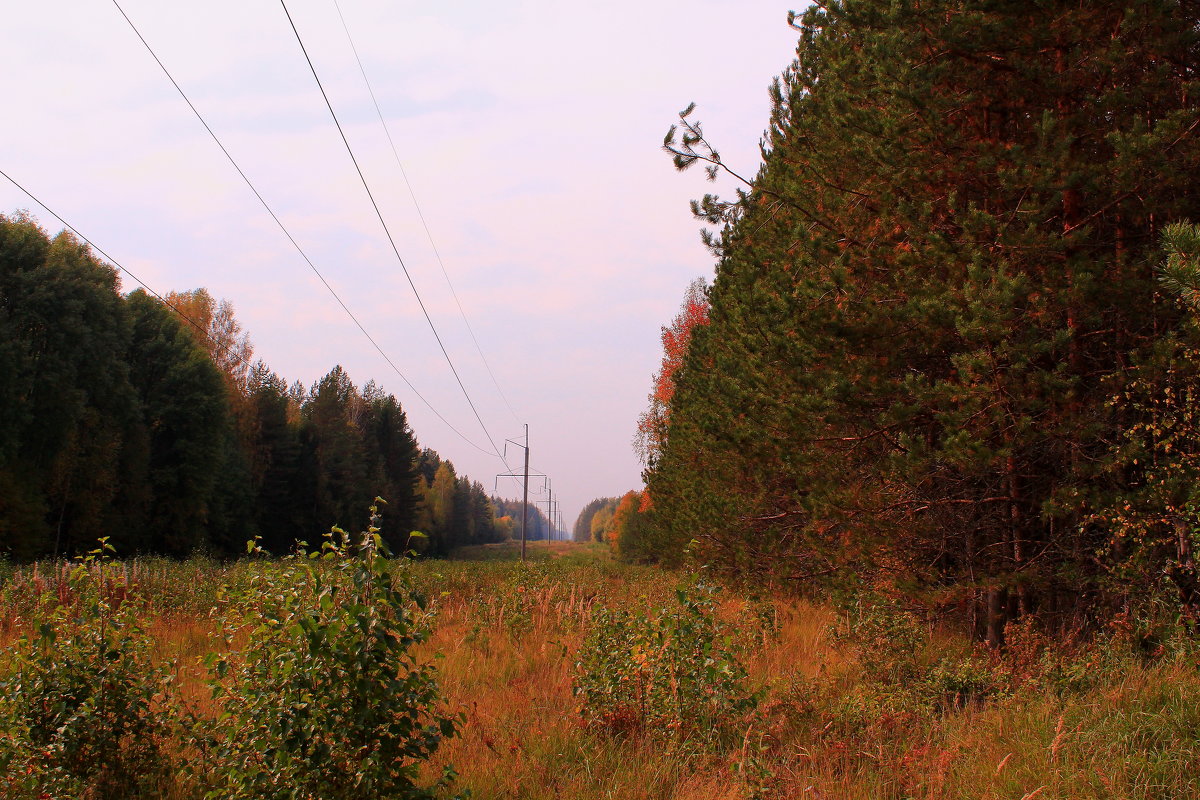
{"x": 575, "y": 676}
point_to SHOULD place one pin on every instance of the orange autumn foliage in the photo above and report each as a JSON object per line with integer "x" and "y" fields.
{"x": 652, "y": 425}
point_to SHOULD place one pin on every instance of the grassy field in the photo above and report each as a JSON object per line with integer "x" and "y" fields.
{"x": 870, "y": 704}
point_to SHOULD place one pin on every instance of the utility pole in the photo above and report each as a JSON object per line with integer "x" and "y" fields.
{"x": 553, "y": 515}
{"x": 525, "y": 493}
{"x": 551, "y": 512}
{"x": 524, "y": 484}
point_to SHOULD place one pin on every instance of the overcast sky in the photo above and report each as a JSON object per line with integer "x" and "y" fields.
{"x": 530, "y": 133}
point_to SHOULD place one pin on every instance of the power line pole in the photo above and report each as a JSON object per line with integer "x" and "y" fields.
{"x": 553, "y": 513}
{"x": 524, "y": 484}
{"x": 553, "y": 517}
{"x": 525, "y": 494}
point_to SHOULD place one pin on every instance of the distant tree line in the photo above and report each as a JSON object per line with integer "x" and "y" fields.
{"x": 454, "y": 510}
{"x": 937, "y": 358}
{"x": 537, "y": 526}
{"x": 625, "y": 524}
{"x": 120, "y": 418}
{"x": 595, "y": 520}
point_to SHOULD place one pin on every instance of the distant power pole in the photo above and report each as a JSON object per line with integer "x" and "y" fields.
{"x": 524, "y": 485}
{"x": 525, "y": 494}
{"x": 553, "y": 517}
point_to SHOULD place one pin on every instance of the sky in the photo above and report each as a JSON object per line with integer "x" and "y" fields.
{"x": 531, "y": 138}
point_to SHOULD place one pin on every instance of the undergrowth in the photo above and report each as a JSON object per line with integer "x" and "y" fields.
{"x": 80, "y": 706}
{"x": 670, "y": 672}
{"x": 570, "y": 676}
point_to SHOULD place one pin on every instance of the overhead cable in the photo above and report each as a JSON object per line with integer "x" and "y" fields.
{"x": 420, "y": 214}
{"x": 388, "y": 232}
{"x": 289, "y": 236}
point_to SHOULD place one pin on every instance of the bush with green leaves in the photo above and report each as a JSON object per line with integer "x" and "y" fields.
{"x": 82, "y": 708}
{"x": 327, "y": 699}
{"x": 671, "y": 672}
{"x": 904, "y": 670}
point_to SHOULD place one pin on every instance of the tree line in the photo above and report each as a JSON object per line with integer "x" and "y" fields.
{"x": 938, "y": 358}
{"x": 508, "y": 514}
{"x": 594, "y": 521}
{"x": 146, "y": 421}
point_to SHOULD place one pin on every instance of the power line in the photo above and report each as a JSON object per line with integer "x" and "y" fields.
{"x": 288, "y": 234}
{"x": 388, "y": 233}
{"x": 121, "y": 267}
{"x": 411, "y": 193}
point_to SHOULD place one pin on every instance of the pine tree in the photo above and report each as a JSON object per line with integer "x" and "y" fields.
{"x": 927, "y": 296}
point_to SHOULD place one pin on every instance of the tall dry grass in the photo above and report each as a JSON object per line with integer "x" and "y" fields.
{"x": 1119, "y": 726}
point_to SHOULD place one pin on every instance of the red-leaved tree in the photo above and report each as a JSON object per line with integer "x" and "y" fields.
{"x": 652, "y": 424}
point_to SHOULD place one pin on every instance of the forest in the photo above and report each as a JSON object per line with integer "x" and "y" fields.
{"x": 949, "y": 352}
{"x": 144, "y": 420}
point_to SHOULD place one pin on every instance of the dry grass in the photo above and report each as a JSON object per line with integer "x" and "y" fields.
{"x": 506, "y": 639}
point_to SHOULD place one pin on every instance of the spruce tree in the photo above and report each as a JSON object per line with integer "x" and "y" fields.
{"x": 393, "y": 455}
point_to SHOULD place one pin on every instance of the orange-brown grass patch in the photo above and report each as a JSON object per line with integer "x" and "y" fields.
{"x": 505, "y": 642}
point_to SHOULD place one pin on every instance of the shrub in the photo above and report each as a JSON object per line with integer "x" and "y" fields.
{"x": 327, "y": 699}
{"x": 905, "y": 670}
{"x": 671, "y": 672}
{"x": 79, "y": 715}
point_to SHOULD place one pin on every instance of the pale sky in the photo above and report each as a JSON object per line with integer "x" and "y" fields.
{"x": 529, "y": 130}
